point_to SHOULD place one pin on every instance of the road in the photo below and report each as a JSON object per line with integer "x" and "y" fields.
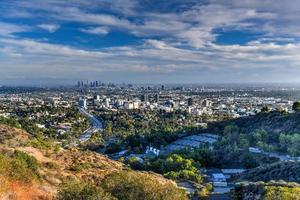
{"x": 281, "y": 157}
{"x": 97, "y": 125}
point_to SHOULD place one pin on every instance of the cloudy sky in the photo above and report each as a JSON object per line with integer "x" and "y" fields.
{"x": 149, "y": 41}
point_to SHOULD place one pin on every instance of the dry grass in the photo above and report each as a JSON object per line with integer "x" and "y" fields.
{"x": 55, "y": 167}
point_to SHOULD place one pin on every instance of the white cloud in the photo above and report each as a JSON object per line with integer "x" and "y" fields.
{"x": 7, "y": 29}
{"x": 174, "y": 41}
{"x": 51, "y": 28}
{"x": 31, "y": 47}
{"x": 158, "y": 44}
{"x": 96, "y": 31}
{"x": 193, "y": 25}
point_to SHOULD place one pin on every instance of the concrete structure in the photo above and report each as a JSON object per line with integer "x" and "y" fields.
{"x": 157, "y": 98}
{"x": 151, "y": 151}
{"x": 192, "y": 141}
{"x": 82, "y": 103}
{"x": 230, "y": 172}
{"x": 190, "y": 102}
{"x": 219, "y": 180}
{"x": 145, "y": 98}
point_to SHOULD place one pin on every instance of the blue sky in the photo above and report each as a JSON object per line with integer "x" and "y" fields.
{"x": 149, "y": 41}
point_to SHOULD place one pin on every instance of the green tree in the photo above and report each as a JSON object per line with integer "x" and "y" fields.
{"x": 265, "y": 109}
{"x": 134, "y": 163}
{"x": 108, "y": 129}
{"x": 296, "y": 106}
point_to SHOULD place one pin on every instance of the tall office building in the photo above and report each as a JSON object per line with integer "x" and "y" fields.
{"x": 107, "y": 102}
{"x": 206, "y": 103}
{"x": 82, "y": 103}
{"x": 157, "y": 98}
{"x": 97, "y": 97}
{"x": 144, "y": 98}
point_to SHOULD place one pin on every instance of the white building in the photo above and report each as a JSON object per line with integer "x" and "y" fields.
{"x": 219, "y": 180}
{"x": 136, "y": 105}
{"x": 128, "y": 105}
{"x": 82, "y": 103}
{"x": 152, "y": 151}
{"x": 230, "y": 172}
{"x": 254, "y": 150}
{"x": 107, "y": 102}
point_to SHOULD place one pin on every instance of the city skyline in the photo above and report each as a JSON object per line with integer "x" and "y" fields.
{"x": 59, "y": 42}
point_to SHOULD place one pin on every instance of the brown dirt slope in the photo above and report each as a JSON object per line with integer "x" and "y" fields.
{"x": 54, "y": 167}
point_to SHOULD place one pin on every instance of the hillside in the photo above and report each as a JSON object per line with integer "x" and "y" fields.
{"x": 273, "y": 122}
{"x": 287, "y": 171}
{"x": 266, "y": 191}
{"x": 32, "y": 168}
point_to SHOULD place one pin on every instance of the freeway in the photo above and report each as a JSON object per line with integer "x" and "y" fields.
{"x": 97, "y": 125}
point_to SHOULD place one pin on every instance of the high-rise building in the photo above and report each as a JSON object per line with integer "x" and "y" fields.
{"x": 162, "y": 87}
{"x": 206, "y": 103}
{"x": 107, "y": 102}
{"x": 82, "y": 103}
{"x": 190, "y": 102}
{"x": 97, "y": 97}
{"x": 144, "y": 98}
{"x": 157, "y": 98}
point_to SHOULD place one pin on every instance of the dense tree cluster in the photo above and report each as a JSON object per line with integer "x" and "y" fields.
{"x": 50, "y": 117}
{"x": 270, "y": 142}
{"x": 296, "y": 106}
{"x": 137, "y": 129}
{"x": 173, "y": 167}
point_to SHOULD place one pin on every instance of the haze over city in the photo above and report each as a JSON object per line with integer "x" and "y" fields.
{"x": 54, "y": 42}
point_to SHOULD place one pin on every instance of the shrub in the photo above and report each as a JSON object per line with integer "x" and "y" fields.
{"x": 10, "y": 122}
{"x": 23, "y": 167}
{"x": 19, "y": 167}
{"x": 204, "y": 193}
{"x": 41, "y": 143}
{"x": 127, "y": 185}
{"x": 75, "y": 190}
{"x": 80, "y": 166}
{"x": 51, "y": 165}
{"x": 134, "y": 163}
{"x": 283, "y": 193}
{"x": 267, "y": 191}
